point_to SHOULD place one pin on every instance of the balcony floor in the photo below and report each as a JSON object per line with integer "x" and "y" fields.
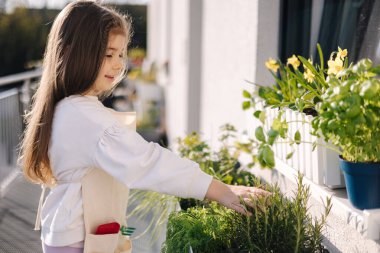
{"x": 17, "y": 215}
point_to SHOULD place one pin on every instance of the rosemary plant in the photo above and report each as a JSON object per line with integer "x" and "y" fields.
{"x": 282, "y": 225}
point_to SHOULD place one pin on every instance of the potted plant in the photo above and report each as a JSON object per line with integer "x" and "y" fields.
{"x": 286, "y": 110}
{"x": 349, "y": 117}
{"x": 283, "y": 226}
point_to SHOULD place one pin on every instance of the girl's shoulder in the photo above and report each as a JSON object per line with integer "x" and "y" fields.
{"x": 83, "y": 110}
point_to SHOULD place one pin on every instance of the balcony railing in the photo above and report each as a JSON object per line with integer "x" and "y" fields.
{"x": 14, "y": 101}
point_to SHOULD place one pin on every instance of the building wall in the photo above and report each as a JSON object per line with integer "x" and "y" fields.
{"x": 237, "y": 39}
{"x": 170, "y": 45}
{"x": 158, "y": 31}
{"x": 215, "y": 46}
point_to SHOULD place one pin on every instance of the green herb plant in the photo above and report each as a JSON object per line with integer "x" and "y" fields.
{"x": 349, "y": 112}
{"x": 278, "y": 224}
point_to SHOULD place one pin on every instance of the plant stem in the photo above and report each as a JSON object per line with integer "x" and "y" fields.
{"x": 297, "y": 121}
{"x": 309, "y": 142}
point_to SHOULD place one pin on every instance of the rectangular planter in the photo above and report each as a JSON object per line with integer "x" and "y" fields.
{"x": 321, "y": 165}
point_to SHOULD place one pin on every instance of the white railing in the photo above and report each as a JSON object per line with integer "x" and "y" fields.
{"x": 321, "y": 166}
{"x": 13, "y": 102}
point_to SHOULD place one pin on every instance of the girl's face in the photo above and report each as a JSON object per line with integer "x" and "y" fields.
{"x": 112, "y": 66}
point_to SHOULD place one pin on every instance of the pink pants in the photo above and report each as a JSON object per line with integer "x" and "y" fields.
{"x": 50, "y": 249}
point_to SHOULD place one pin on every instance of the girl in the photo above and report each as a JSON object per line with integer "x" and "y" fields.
{"x": 69, "y": 132}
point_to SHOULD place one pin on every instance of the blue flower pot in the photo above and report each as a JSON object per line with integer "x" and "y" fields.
{"x": 362, "y": 183}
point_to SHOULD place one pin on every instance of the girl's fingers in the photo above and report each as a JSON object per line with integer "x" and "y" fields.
{"x": 249, "y": 202}
{"x": 238, "y": 207}
{"x": 251, "y": 192}
{"x": 259, "y": 192}
{"x": 246, "y": 194}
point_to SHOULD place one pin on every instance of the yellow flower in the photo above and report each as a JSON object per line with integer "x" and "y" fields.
{"x": 308, "y": 75}
{"x": 334, "y": 66}
{"x": 272, "y": 65}
{"x": 342, "y": 53}
{"x": 294, "y": 61}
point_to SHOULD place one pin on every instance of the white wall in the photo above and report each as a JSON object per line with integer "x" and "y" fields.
{"x": 237, "y": 39}
{"x": 213, "y": 46}
{"x": 178, "y": 55}
{"x": 158, "y": 31}
{"x": 229, "y": 46}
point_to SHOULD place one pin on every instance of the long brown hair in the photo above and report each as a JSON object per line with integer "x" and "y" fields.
{"x": 73, "y": 57}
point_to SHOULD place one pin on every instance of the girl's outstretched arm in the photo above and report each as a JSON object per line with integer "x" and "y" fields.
{"x": 230, "y": 195}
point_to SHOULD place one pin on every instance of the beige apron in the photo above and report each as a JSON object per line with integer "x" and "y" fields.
{"x": 104, "y": 200}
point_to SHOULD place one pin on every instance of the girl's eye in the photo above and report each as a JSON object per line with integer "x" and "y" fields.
{"x": 109, "y": 55}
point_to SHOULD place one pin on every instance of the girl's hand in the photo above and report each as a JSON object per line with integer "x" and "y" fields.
{"x": 230, "y": 195}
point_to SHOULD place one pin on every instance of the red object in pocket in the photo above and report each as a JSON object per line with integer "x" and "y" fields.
{"x": 109, "y": 228}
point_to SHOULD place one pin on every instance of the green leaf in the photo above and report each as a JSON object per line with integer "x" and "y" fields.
{"x": 268, "y": 156}
{"x": 246, "y": 105}
{"x": 333, "y": 124}
{"x": 276, "y": 125}
{"x": 259, "y": 133}
{"x": 246, "y": 94}
{"x": 314, "y": 146}
{"x": 257, "y": 114}
{"x": 288, "y": 156}
{"x": 297, "y": 137}
{"x": 376, "y": 70}
{"x": 269, "y": 95}
{"x": 283, "y": 129}
{"x": 308, "y": 96}
{"x": 370, "y": 74}
{"x": 320, "y": 79}
{"x": 272, "y": 136}
{"x": 320, "y": 56}
{"x": 262, "y": 117}
{"x": 300, "y": 104}
{"x": 353, "y": 111}
{"x": 370, "y": 89}
{"x": 370, "y": 118}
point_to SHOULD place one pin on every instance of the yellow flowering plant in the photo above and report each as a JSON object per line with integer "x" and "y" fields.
{"x": 300, "y": 83}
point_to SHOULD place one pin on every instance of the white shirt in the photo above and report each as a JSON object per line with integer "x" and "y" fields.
{"x": 86, "y": 134}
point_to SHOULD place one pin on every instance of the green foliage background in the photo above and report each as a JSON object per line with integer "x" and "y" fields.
{"x": 23, "y": 35}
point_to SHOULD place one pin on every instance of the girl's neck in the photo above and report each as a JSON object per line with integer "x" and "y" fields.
{"x": 90, "y": 93}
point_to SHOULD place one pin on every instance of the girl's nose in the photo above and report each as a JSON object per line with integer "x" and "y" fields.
{"x": 118, "y": 64}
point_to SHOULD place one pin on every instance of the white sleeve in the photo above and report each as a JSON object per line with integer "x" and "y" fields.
{"x": 126, "y": 156}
